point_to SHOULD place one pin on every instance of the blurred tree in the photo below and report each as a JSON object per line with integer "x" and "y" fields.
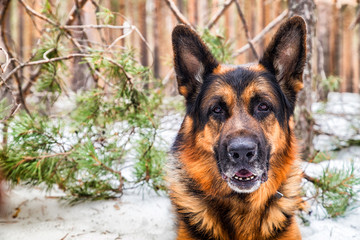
{"x": 303, "y": 119}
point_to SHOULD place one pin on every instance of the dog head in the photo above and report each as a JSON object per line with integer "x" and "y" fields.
{"x": 239, "y": 117}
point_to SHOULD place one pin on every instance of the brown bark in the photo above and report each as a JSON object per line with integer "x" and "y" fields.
{"x": 143, "y": 30}
{"x": 303, "y": 118}
{"x": 334, "y": 41}
{"x": 346, "y": 77}
{"x": 356, "y": 62}
{"x": 156, "y": 25}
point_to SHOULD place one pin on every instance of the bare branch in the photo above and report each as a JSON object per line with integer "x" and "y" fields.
{"x": 69, "y": 27}
{"x": 217, "y": 16}
{"x": 33, "y": 12}
{"x": 16, "y": 105}
{"x": 258, "y": 37}
{"x": 242, "y": 17}
{"x": 120, "y": 37}
{"x": 7, "y": 61}
{"x": 74, "y": 11}
{"x": 39, "y": 62}
{"x": 179, "y": 16}
{"x": 122, "y": 68}
{"x": 4, "y": 36}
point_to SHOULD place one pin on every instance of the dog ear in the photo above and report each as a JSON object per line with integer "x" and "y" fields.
{"x": 285, "y": 56}
{"x": 193, "y": 61}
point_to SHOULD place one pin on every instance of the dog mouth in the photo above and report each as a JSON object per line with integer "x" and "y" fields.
{"x": 244, "y": 176}
{"x": 245, "y": 180}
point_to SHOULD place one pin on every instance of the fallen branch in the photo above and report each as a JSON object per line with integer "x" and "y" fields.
{"x": 258, "y": 37}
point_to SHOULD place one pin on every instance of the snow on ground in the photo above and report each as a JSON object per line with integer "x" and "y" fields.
{"x": 145, "y": 215}
{"x": 321, "y": 227}
{"x": 133, "y": 217}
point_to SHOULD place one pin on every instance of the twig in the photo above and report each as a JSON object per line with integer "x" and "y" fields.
{"x": 75, "y": 11}
{"x": 120, "y": 37}
{"x": 14, "y": 109}
{"x": 179, "y": 16}
{"x": 28, "y": 158}
{"x": 122, "y": 68}
{"x": 33, "y": 12}
{"x": 217, "y": 16}
{"x": 110, "y": 170}
{"x": 30, "y": 11}
{"x": 146, "y": 43}
{"x": 67, "y": 32}
{"x": 97, "y": 10}
{"x": 63, "y": 238}
{"x": 238, "y": 7}
{"x": 7, "y": 61}
{"x": 47, "y": 52}
{"x": 310, "y": 179}
{"x": 3, "y": 15}
{"x": 95, "y": 26}
{"x": 258, "y": 37}
{"x": 39, "y": 62}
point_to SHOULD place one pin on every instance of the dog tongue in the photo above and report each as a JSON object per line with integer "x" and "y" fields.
{"x": 243, "y": 173}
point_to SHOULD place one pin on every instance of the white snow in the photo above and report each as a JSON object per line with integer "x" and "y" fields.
{"x": 135, "y": 216}
{"x": 140, "y": 215}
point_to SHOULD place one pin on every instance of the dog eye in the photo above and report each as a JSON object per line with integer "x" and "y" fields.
{"x": 217, "y": 109}
{"x": 263, "y": 107}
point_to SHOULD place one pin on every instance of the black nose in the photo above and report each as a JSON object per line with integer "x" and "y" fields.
{"x": 242, "y": 149}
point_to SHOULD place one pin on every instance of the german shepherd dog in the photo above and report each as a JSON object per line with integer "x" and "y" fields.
{"x": 235, "y": 172}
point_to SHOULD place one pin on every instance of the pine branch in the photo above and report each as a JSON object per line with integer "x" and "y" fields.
{"x": 68, "y": 33}
{"x": 41, "y": 150}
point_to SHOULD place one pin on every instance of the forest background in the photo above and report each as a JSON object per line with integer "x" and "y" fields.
{"x": 86, "y": 85}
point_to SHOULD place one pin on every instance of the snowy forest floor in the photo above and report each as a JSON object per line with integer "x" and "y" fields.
{"x": 32, "y": 213}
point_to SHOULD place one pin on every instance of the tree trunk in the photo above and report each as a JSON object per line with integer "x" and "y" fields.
{"x": 143, "y": 30}
{"x": 303, "y": 117}
{"x": 156, "y": 24}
